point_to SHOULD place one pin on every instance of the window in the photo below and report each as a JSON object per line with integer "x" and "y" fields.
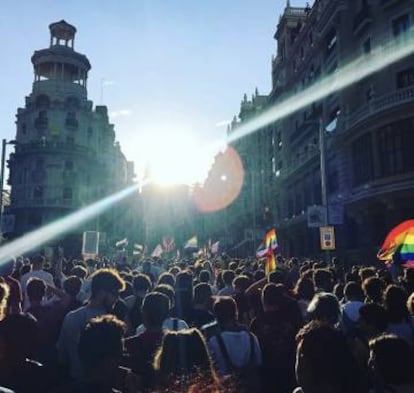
{"x": 362, "y": 159}
{"x": 38, "y": 192}
{"x": 67, "y": 193}
{"x": 400, "y": 25}
{"x": 331, "y": 40}
{"x": 405, "y": 78}
{"x": 333, "y": 120}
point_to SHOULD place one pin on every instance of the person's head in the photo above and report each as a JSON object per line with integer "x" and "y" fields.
{"x": 258, "y": 275}
{"x": 391, "y": 360}
{"x": 373, "y": 288}
{"x": 205, "y": 276}
{"x": 166, "y": 278}
{"x": 38, "y": 261}
{"x": 168, "y": 291}
{"x": 366, "y": 272}
{"x": 141, "y": 284}
{"x": 272, "y": 296}
{"x": 106, "y": 285}
{"x": 324, "y": 362}
{"x": 225, "y": 310}
{"x": 395, "y": 303}
{"x": 18, "y": 338}
{"x": 100, "y": 347}
{"x": 72, "y": 286}
{"x": 305, "y": 289}
{"x": 410, "y": 304}
{"x": 155, "y": 309}
{"x": 184, "y": 281}
{"x": 324, "y": 307}
{"x": 323, "y": 279}
{"x": 183, "y": 356}
{"x": 79, "y": 271}
{"x": 372, "y": 319}
{"x": 277, "y": 277}
{"x": 353, "y": 292}
{"x": 228, "y": 277}
{"x": 36, "y": 290}
{"x": 4, "y": 297}
{"x": 6, "y": 269}
{"x": 202, "y": 295}
{"x": 241, "y": 283}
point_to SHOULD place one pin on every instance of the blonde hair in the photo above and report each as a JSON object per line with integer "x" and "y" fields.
{"x": 4, "y": 297}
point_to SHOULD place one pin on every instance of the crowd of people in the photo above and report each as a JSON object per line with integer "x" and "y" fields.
{"x": 204, "y": 325}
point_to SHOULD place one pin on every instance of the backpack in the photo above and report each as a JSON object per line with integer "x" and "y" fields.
{"x": 246, "y": 378}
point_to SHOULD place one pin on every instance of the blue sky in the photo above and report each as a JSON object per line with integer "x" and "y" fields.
{"x": 170, "y": 65}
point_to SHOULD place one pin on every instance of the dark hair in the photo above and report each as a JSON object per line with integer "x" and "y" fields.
{"x": 202, "y": 293}
{"x": 225, "y": 309}
{"x": 324, "y": 307}
{"x": 166, "y": 278}
{"x": 277, "y": 277}
{"x": 107, "y": 280}
{"x": 395, "y": 303}
{"x": 353, "y": 291}
{"x": 392, "y": 359}
{"x": 79, "y": 271}
{"x": 328, "y": 357}
{"x": 155, "y": 309}
{"x": 228, "y": 276}
{"x": 241, "y": 283}
{"x": 323, "y": 278}
{"x": 373, "y": 288}
{"x": 366, "y": 272}
{"x": 167, "y": 290}
{"x": 72, "y": 285}
{"x": 374, "y": 315}
{"x": 272, "y": 294}
{"x": 141, "y": 282}
{"x": 304, "y": 289}
{"x": 38, "y": 260}
{"x": 204, "y": 276}
{"x": 101, "y": 339}
{"x": 36, "y": 289}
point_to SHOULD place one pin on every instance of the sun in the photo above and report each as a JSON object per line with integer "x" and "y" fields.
{"x": 173, "y": 158}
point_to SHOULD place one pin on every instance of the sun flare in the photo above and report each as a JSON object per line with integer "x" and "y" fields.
{"x": 174, "y": 158}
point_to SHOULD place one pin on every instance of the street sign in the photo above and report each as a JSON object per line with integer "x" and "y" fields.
{"x": 327, "y": 236}
{"x": 316, "y": 216}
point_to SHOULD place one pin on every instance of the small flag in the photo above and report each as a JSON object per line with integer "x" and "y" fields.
{"x": 191, "y": 243}
{"x": 122, "y": 243}
{"x": 139, "y": 247}
{"x": 168, "y": 244}
{"x": 157, "y": 251}
{"x": 215, "y": 247}
{"x": 261, "y": 250}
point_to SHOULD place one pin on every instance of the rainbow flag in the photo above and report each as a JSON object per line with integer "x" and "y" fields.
{"x": 271, "y": 239}
{"x": 270, "y": 265}
{"x": 407, "y": 247}
{"x": 394, "y": 240}
{"x": 261, "y": 250}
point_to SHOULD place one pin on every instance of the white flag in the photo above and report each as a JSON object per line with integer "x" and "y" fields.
{"x": 157, "y": 251}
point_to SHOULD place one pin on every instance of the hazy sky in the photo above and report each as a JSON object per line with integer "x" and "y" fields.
{"x": 169, "y": 65}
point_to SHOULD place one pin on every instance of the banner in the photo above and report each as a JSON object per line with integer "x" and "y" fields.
{"x": 90, "y": 244}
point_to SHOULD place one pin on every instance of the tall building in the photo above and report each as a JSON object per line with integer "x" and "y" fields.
{"x": 65, "y": 154}
{"x": 368, "y": 129}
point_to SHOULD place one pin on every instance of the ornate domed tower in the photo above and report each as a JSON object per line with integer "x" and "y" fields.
{"x": 65, "y": 155}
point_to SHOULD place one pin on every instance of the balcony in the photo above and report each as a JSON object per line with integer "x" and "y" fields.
{"x": 380, "y": 104}
{"x": 362, "y": 19}
{"x": 53, "y": 147}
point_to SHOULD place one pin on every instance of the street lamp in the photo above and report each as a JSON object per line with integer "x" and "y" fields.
{"x": 3, "y": 160}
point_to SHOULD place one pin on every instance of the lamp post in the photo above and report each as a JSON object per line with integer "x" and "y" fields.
{"x": 3, "y": 160}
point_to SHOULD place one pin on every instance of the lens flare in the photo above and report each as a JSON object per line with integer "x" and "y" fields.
{"x": 223, "y": 184}
{"x": 40, "y": 236}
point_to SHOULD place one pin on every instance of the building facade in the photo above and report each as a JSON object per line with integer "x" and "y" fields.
{"x": 65, "y": 154}
{"x": 368, "y": 129}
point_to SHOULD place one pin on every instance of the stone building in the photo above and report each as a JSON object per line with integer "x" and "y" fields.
{"x": 368, "y": 129}
{"x": 65, "y": 154}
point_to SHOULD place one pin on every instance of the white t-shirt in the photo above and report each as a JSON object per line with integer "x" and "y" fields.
{"x": 42, "y": 275}
{"x": 238, "y": 347}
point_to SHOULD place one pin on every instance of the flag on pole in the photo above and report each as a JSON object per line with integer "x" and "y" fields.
{"x": 215, "y": 247}
{"x": 122, "y": 243}
{"x": 266, "y": 249}
{"x": 139, "y": 247}
{"x": 191, "y": 243}
{"x": 168, "y": 244}
{"x": 157, "y": 251}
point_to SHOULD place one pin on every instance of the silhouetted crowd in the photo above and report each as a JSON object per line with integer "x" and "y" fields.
{"x": 204, "y": 325}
